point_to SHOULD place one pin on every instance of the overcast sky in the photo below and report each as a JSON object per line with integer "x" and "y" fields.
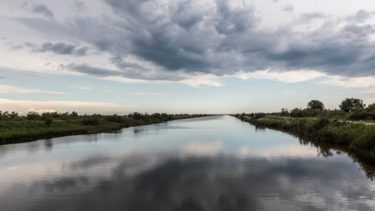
{"x": 181, "y": 56}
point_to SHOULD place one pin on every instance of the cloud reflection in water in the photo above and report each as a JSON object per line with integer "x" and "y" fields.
{"x": 223, "y": 166}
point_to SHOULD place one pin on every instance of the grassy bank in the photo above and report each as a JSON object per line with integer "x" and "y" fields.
{"x": 357, "y": 137}
{"x": 34, "y": 126}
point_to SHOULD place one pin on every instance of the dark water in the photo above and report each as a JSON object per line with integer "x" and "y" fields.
{"x": 209, "y": 163}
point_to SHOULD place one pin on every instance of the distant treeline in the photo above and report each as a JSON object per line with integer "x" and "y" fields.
{"x": 339, "y": 126}
{"x": 33, "y": 126}
{"x": 349, "y": 109}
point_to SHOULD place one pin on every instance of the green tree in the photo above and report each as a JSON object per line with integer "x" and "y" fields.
{"x": 351, "y": 104}
{"x": 315, "y": 104}
{"x": 284, "y": 112}
{"x": 74, "y": 113}
{"x": 371, "y": 107}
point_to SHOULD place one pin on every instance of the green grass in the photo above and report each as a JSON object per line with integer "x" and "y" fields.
{"x": 22, "y": 129}
{"x": 357, "y": 137}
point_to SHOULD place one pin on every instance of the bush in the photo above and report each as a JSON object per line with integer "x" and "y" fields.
{"x": 362, "y": 115}
{"x": 114, "y": 118}
{"x": 284, "y": 112}
{"x": 48, "y": 121}
{"x": 259, "y": 115}
{"x": 320, "y": 123}
{"x": 32, "y": 115}
{"x": 333, "y": 113}
{"x": 88, "y": 121}
{"x": 308, "y": 112}
{"x": 371, "y": 108}
{"x": 365, "y": 142}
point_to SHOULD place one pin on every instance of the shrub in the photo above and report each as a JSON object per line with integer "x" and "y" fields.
{"x": 320, "y": 123}
{"x": 114, "y": 118}
{"x": 259, "y": 115}
{"x": 284, "y": 112}
{"x": 365, "y": 142}
{"x": 308, "y": 112}
{"x": 88, "y": 121}
{"x": 362, "y": 115}
{"x": 296, "y": 112}
{"x": 371, "y": 107}
{"x": 333, "y": 113}
{"x": 32, "y": 115}
{"x": 48, "y": 121}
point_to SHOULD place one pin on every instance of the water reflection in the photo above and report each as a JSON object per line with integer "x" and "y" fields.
{"x": 48, "y": 144}
{"x": 328, "y": 150}
{"x": 211, "y": 163}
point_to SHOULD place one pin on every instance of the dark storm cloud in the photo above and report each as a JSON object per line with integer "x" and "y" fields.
{"x": 39, "y": 8}
{"x": 81, "y": 51}
{"x": 42, "y": 9}
{"x": 130, "y": 72}
{"x": 80, "y": 6}
{"x": 86, "y": 69}
{"x": 58, "y": 48}
{"x": 191, "y": 37}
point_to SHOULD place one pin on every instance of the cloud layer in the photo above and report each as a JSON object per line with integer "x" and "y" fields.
{"x": 29, "y": 105}
{"x": 165, "y": 40}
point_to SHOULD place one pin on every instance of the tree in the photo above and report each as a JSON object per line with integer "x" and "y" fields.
{"x": 351, "y": 104}
{"x": 315, "y": 104}
{"x": 33, "y": 115}
{"x": 371, "y": 107}
{"x": 284, "y": 112}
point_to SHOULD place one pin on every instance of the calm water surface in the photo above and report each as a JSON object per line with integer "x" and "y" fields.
{"x": 209, "y": 163}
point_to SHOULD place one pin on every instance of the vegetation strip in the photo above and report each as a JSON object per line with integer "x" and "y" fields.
{"x": 34, "y": 126}
{"x": 352, "y": 126}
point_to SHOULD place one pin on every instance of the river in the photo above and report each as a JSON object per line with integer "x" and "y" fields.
{"x": 208, "y": 163}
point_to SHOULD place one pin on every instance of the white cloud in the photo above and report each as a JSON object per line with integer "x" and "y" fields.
{"x": 13, "y": 89}
{"x": 368, "y": 91}
{"x": 360, "y": 82}
{"x": 287, "y": 77}
{"x": 199, "y": 148}
{"x": 279, "y": 151}
{"x": 42, "y": 110}
{"x": 203, "y": 79}
{"x": 306, "y": 75}
{"x": 24, "y": 105}
{"x": 194, "y": 81}
{"x": 148, "y": 93}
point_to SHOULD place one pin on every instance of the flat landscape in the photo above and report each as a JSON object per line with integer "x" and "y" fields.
{"x": 187, "y": 105}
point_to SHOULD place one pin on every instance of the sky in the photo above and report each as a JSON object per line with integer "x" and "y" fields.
{"x": 184, "y": 56}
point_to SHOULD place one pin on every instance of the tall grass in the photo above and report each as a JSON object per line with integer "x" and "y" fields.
{"x": 35, "y": 126}
{"x": 359, "y": 138}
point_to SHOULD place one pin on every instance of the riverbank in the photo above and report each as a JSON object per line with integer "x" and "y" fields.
{"x": 358, "y": 138}
{"x": 26, "y": 129}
